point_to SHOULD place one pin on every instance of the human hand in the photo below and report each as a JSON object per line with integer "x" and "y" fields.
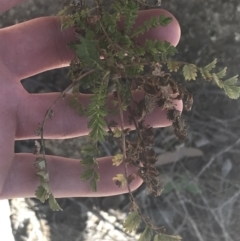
{"x": 30, "y": 48}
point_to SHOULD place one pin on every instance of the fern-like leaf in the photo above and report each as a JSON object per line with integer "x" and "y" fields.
{"x": 43, "y": 175}
{"x": 146, "y": 235}
{"x": 173, "y": 66}
{"x": 160, "y": 50}
{"x": 190, "y": 72}
{"x": 53, "y": 203}
{"x": 86, "y": 51}
{"x": 89, "y": 162}
{"x": 217, "y": 80}
{"x": 210, "y": 66}
{"x": 97, "y": 110}
{"x": 117, "y": 159}
{"x": 231, "y": 81}
{"x": 117, "y": 132}
{"x": 205, "y": 71}
{"x": 87, "y": 174}
{"x": 232, "y": 91}
{"x": 229, "y": 86}
{"x": 42, "y": 194}
{"x": 154, "y": 22}
{"x": 164, "y": 20}
{"x": 132, "y": 222}
{"x": 130, "y": 14}
{"x": 120, "y": 180}
{"x": 222, "y": 73}
{"x": 205, "y": 74}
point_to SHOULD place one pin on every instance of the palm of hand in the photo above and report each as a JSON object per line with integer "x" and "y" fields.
{"x": 27, "y": 49}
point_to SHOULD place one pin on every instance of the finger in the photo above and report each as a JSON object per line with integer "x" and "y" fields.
{"x": 66, "y": 123}
{"x": 64, "y": 174}
{"x": 39, "y": 45}
{"x": 7, "y": 4}
{"x": 7, "y": 135}
{"x": 170, "y": 33}
{"x": 35, "y": 46}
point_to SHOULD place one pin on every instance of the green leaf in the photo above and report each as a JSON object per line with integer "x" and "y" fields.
{"x": 217, "y": 80}
{"x": 87, "y": 161}
{"x": 154, "y": 22}
{"x": 229, "y": 86}
{"x": 120, "y": 180}
{"x": 88, "y": 150}
{"x": 89, "y": 35}
{"x": 171, "y": 50}
{"x": 133, "y": 70}
{"x": 146, "y": 235}
{"x": 98, "y": 133}
{"x": 93, "y": 185}
{"x": 130, "y": 11}
{"x": 96, "y": 176}
{"x": 150, "y": 46}
{"x": 87, "y": 52}
{"x": 63, "y": 11}
{"x": 97, "y": 121}
{"x": 53, "y": 203}
{"x": 139, "y": 50}
{"x": 44, "y": 175}
{"x": 205, "y": 74}
{"x": 222, "y": 73}
{"x": 173, "y": 66}
{"x": 233, "y": 92}
{"x": 132, "y": 222}
{"x": 231, "y": 81}
{"x": 160, "y": 49}
{"x": 165, "y": 237}
{"x": 87, "y": 174}
{"x": 65, "y": 24}
{"x": 205, "y": 71}
{"x": 45, "y": 185}
{"x": 210, "y": 66}
{"x": 97, "y": 111}
{"x": 126, "y": 41}
{"x": 117, "y": 159}
{"x": 164, "y": 20}
{"x": 84, "y": 13}
{"x": 190, "y": 72}
{"x": 117, "y": 132}
{"x": 42, "y": 194}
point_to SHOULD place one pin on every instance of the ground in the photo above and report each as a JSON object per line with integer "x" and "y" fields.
{"x": 201, "y": 176}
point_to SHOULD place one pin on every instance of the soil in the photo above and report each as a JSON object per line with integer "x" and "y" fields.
{"x": 200, "y": 201}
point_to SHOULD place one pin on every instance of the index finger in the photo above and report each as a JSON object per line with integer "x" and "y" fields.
{"x": 39, "y": 45}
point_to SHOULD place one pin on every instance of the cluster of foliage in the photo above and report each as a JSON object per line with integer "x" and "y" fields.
{"x": 107, "y": 56}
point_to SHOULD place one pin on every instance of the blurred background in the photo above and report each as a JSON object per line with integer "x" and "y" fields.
{"x": 200, "y": 177}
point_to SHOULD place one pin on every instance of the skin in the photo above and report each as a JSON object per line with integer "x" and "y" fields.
{"x": 30, "y": 48}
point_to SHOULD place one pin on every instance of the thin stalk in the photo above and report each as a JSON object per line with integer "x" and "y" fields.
{"x": 124, "y": 143}
{"x": 49, "y": 112}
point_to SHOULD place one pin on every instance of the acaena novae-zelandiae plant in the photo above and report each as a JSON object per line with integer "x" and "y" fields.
{"x": 124, "y": 57}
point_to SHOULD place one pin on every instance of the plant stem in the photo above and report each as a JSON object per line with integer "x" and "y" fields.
{"x": 124, "y": 143}
{"x": 49, "y": 112}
